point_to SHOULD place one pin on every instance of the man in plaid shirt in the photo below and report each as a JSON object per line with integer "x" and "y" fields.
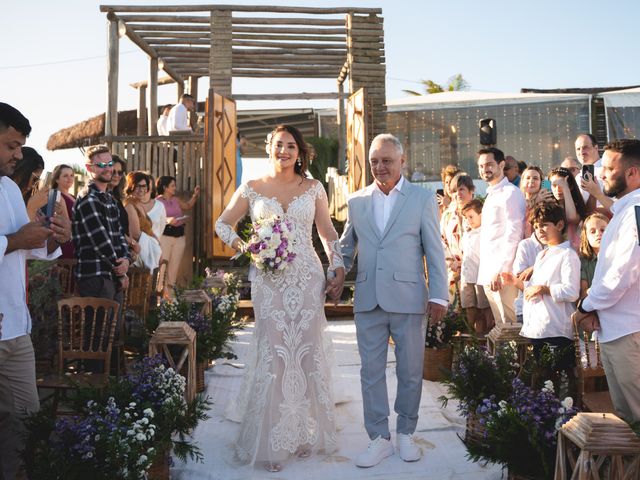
{"x": 101, "y": 247}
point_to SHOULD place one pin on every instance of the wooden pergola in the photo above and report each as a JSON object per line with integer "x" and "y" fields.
{"x": 226, "y": 41}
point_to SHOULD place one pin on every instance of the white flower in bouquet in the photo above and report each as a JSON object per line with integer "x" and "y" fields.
{"x": 270, "y": 244}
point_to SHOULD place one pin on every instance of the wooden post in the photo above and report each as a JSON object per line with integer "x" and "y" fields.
{"x": 111, "y": 118}
{"x": 153, "y": 96}
{"x": 342, "y": 132}
{"x": 193, "y": 91}
{"x": 142, "y": 110}
{"x": 180, "y": 90}
{"x": 220, "y": 59}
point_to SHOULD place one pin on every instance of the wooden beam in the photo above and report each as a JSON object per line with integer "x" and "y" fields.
{"x": 308, "y": 38}
{"x": 153, "y": 97}
{"x": 145, "y": 83}
{"x": 240, "y": 8}
{"x": 142, "y": 27}
{"x": 220, "y": 53}
{"x": 193, "y": 91}
{"x": 292, "y": 30}
{"x": 163, "y": 19}
{"x": 287, "y": 21}
{"x": 111, "y": 117}
{"x": 142, "y": 110}
{"x": 290, "y": 96}
{"x": 244, "y": 55}
{"x": 166, "y": 34}
{"x": 325, "y": 46}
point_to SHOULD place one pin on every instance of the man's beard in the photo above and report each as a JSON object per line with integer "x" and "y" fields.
{"x": 616, "y": 187}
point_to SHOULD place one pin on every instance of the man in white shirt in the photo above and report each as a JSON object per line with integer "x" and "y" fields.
{"x": 501, "y": 231}
{"x": 20, "y": 239}
{"x": 392, "y": 227}
{"x": 591, "y": 189}
{"x": 613, "y": 301}
{"x": 178, "y": 120}
{"x": 163, "y": 120}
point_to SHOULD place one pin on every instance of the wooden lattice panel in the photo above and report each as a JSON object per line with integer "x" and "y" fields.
{"x": 357, "y": 141}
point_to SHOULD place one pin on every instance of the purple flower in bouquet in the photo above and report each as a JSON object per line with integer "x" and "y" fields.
{"x": 269, "y": 245}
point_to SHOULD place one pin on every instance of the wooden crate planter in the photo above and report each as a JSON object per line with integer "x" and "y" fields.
{"x": 159, "y": 469}
{"x": 504, "y": 333}
{"x": 180, "y": 335}
{"x": 198, "y": 297}
{"x": 589, "y": 440}
{"x": 475, "y": 432}
{"x": 436, "y": 362}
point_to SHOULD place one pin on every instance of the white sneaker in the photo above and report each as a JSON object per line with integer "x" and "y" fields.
{"x": 407, "y": 449}
{"x": 379, "y": 448}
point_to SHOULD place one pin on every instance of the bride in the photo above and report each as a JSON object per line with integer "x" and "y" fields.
{"x": 286, "y": 405}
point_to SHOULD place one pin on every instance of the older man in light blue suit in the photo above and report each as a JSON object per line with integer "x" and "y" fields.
{"x": 392, "y": 227}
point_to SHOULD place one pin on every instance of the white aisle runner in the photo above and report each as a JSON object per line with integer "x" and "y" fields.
{"x": 443, "y": 452}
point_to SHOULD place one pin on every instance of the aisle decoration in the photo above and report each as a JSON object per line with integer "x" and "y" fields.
{"x": 438, "y": 352}
{"x": 119, "y": 431}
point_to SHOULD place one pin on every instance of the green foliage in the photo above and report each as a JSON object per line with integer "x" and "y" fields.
{"x": 455, "y": 83}
{"x": 44, "y": 292}
{"x": 326, "y": 155}
{"x": 439, "y": 334}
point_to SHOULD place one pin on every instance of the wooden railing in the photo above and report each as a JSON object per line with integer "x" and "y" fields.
{"x": 180, "y": 156}
{"x": 338, "y": 191}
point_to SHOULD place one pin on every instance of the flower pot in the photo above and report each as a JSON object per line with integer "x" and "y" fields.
{"x": 436, "y": 362}
{"x": 475, "y": 432}
{"x": 159, "y": 469}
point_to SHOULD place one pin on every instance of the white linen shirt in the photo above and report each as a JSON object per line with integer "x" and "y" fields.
{"x": 13, "y": 299}
{"x": 526, "y": 254}
{"x": 615, "y": 290}
{"x": 470, "y": 244}
{"x": 383, "y": 204}
{"x": 501, "y": 230}
{"x": 557, "y": 267}
{"x": 178, "y": 120}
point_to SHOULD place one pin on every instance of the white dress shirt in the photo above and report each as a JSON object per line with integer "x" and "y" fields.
{"x": 526, "y": 254}
{"x": 383, "y": 203}
{"x": 13, "y": 296}
{"x": 162, "y": 125}
{"x": 501, "y": 230}
{"x": 557, "y": 267}
{"x": 178, "y": 120}
{"x": 615, "y": 290}
{"x": 470, "y": 244}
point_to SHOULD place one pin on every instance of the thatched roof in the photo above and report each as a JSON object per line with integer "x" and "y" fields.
{"x": 91, "y": 131}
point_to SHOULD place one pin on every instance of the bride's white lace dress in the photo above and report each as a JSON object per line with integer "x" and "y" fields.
{"x": 286, "y": 405}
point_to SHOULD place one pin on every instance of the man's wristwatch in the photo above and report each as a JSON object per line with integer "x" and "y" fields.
{"x": 579, "y": 307}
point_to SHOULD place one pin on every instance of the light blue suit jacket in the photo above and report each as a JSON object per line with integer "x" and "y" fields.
{"x": 391, "y": 270}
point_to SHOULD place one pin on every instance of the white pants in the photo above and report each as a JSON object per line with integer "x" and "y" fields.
{"x": 501, "y": 303}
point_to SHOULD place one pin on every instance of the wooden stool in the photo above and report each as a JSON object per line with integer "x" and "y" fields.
{"x": 504, "y": 333}
{"x": 600, "y": 437}
{"x": 198, "y": 297}
{"x": 180, "y": 334}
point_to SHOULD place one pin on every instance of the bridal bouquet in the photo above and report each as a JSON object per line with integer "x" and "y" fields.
{"x": 269, "y": 244}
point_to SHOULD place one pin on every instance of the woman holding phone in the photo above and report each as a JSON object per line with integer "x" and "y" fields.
{"x": 62, "y": 179}
{"x": 172, "y": 240}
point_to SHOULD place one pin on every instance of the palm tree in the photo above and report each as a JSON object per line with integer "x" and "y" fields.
{"x": 454, "y": 84}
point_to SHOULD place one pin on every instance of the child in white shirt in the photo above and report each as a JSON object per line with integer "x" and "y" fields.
{"x": 554, "y": 286}
{"x": 472, "y": 296}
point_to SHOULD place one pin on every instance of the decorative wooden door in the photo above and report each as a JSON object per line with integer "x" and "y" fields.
{"x": 357, "y": 141}
{"x": 220, "y": 167}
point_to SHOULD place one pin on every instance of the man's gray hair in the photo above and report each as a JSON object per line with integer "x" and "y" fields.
{"x": 388, "y": 138}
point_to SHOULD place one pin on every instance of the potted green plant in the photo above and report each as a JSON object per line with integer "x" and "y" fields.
{"x": 438, "y": 352}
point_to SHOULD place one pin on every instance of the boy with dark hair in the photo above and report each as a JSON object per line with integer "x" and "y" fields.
{"x": 554, "y": 286}
{"x": 472, "y": 296}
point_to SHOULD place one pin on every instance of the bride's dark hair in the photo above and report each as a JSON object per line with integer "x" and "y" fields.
{"x": 304, "y": 150}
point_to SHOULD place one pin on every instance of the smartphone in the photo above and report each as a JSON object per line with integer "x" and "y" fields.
{"x": 51, "y": 205}
{"x": 546, "y": 184}
{"x": 440, "y": 192}
{"x": 590, "y": 169}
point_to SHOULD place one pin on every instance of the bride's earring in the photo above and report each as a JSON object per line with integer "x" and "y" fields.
{"x": 299, "y": 162}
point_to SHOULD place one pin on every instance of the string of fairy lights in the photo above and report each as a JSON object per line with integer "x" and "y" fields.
{"x": 541, "y": 134}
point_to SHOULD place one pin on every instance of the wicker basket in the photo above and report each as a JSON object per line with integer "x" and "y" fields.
{"x": 200, "y": 368}
{"x": 437, "y": 361}
{"x": 475, "y": 431}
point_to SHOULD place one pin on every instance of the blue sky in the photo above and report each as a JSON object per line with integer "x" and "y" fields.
{"x": 53, "y": 62}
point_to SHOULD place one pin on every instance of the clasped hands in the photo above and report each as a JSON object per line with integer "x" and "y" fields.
{"x": 335, "y": 285}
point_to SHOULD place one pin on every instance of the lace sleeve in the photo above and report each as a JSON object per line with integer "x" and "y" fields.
{"x": 326, "y": 231}
{"x": 226, "y": 233}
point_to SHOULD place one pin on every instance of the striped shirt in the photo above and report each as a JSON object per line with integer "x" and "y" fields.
{"x": 97, "y": 234}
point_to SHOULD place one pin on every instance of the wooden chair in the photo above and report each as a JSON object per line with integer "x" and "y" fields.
{"x": 86, "y": 329}
{"x": 137, "y": 295}
{"x": 65, "y": 268}
{"x": 590, "y": 374}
